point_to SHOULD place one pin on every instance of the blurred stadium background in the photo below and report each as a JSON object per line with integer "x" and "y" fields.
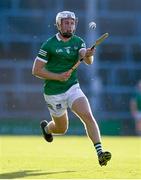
{"x": 108, "y": 83}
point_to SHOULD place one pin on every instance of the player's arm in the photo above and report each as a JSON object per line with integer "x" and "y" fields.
{"x": 89, "y": 56}
{"x": 39, "y": 71}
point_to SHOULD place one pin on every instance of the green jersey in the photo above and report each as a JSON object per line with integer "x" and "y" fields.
{"x": 60, "y": 56}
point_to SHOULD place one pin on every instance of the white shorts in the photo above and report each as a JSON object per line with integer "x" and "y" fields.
{"x": 58, "y": 104}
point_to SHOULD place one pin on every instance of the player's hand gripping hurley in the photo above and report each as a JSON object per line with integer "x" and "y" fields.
{"x": 98, "y": 41}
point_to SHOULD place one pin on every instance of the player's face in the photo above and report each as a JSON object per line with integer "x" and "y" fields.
{"x": 67, "y": 27}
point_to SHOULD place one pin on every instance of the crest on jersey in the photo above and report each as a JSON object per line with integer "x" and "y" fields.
{"x": 67, "y": 50}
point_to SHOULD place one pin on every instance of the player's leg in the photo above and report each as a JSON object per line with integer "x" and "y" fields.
{"x": 79, "y": 104}
{"x": 82, "y": 109}
{"x": 58, "y": 125}
{"x": 57, "y": 107}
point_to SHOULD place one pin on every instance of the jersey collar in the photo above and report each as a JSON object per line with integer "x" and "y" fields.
{"x": 57, "y": 36}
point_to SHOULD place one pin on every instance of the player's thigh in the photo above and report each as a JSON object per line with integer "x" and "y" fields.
{"x": 82, "y": 108}
{"x": 62, "y": 121}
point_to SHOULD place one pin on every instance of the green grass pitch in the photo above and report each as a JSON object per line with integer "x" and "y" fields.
{"x": 68, "y": 157}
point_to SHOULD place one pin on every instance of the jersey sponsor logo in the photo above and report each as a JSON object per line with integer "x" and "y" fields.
{"x": 66, "y": 49}
{"x": 59, "y": 51}
{"x": 42, "y": 52}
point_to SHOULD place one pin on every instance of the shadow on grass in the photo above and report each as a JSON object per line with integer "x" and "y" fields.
{"x": 26, "y": 173}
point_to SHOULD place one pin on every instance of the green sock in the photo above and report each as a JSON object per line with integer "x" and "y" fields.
{"x": 98, "y": 147}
